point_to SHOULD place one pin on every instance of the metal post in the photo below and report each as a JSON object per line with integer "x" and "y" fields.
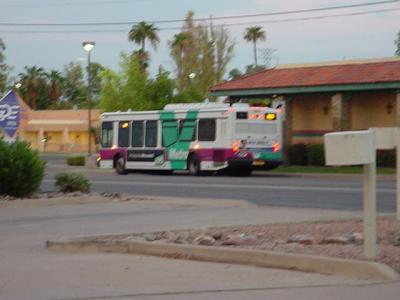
{"x": 89, "y": 108}
{"x": 370, "y": 248}
{"x": 397, "y": 143}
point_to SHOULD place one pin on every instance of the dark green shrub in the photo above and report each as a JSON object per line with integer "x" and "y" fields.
{"x": 386, "y": 158}
{"x": 297, "y": 154}
{"x": 76, "y": 160}
{"x": 21, "y": 169}
{"x": 72, "y": 182}
{"x": 316, "y": 155}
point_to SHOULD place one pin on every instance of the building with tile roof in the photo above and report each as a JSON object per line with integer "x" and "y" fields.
{"x": 325, "y": 97}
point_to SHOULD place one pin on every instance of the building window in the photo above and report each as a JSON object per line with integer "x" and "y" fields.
{"x": 207, "y": 130}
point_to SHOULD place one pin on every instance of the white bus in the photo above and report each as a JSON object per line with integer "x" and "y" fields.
{"x": 197, "y": 137}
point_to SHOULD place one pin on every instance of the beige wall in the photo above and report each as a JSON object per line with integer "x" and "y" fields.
{"x": 66, "y": 129}
{"x": 371, "y": 110}
{"x": 312, "y": 117}
{"x": 312, "y": 114}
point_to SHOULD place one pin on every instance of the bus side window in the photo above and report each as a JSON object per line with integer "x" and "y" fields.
{"x": 137, "y": 134}
{"x": 169, "y": 132}
{"x": 151, "y": 134}
{"x": 123, "y": 134}
{"x": 106, "y": 134}
{"x": 206, "y": 130}
{"x": 187, "y": 130}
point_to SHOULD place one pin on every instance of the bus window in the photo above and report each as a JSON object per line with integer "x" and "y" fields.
{"x": 151, "y": 134}
{"x": 123, "y": 134}
{"x": 137, "y": 134}
{"x": 206, "y": 130}
{"x": 187, "y": 130}
{"x": 106, "y": 134}
{"x": 169, "y": 132}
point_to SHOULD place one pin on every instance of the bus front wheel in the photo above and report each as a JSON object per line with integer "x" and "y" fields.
{"x": 193, "y": 165}
{"x": 120, "y": 165}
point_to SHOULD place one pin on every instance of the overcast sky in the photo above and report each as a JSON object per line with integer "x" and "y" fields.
{"x": 345, "y": 37}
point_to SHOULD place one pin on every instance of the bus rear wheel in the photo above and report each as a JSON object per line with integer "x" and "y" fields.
{"x": 120, "y": 166}
{"x": 193, "y": 165}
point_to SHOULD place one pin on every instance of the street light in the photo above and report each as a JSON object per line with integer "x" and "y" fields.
{"x": 88, "y": 47}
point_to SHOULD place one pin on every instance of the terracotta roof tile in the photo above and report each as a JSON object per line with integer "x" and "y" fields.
{"x": 360, "y": 73}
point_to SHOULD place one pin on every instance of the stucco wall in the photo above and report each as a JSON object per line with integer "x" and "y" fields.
{"x": 371, "y": 109}
{"x": 312, "y": 117}
{"x": 312, "y": 114}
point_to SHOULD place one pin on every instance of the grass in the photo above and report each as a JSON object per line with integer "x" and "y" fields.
{"x": 330, "y": 170}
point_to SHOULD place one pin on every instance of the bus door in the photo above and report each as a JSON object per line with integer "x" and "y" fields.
{"x": 177, "y": 136}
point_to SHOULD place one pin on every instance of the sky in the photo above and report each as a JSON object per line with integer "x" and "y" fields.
{"x": 292, "y": 41}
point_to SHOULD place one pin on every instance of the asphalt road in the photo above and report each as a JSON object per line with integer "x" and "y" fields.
{"x": 263, "y": 188}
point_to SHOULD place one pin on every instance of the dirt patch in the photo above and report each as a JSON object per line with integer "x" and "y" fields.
{"x": 342, "y": 239}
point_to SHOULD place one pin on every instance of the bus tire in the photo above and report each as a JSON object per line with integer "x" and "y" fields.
{"x": 193, "y": 165}
{"x": 120, "y": 165}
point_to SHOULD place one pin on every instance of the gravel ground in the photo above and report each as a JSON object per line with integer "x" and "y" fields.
{"x": 276, "y": 237}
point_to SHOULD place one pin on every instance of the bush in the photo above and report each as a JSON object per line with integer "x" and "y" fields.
{"x": 21, "y": 169}
{"x": 72, "y": 182}
{"x": 76, "y": 161}
{"x": 316, "y": 155}
{"x": 386, "y": 158}
{"x": 297, "y": 154}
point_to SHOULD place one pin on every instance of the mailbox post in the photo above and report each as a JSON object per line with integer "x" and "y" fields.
{"x": 389, "y": 138}
{"x": 358, "y": 148}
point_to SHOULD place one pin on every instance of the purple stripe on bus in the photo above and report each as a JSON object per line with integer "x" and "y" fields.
{"x": 222, "y": 154}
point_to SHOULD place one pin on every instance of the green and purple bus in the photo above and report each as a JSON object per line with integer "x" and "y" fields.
{"x": 197, "y": 137}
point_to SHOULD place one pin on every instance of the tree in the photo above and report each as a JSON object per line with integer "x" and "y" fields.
{"x": 180, "y": 46}
{"x": 33, "y": 87}
{"x": 55, "y": 86}
{"x": 253, "y": 69}
{"x": 131, "y": 88}
{"x": 95, "y": 72}
{"x": 75, "y": 90}
{"x": 397, "y": 43}
{"x": 202, "y": 51}
{"x": 234, "y": 73}
{"x": 4, "y": 68}
{"x": 254, "y": 34}
{"x": 141, "y": 32}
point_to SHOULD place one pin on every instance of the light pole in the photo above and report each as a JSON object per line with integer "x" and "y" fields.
{"x": 88, "y": 46}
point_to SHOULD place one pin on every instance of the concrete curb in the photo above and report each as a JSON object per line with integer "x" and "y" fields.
{"x": 270, "y": 259}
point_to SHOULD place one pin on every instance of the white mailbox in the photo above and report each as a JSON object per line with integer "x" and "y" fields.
{"x": 349, "y": 148}
{"x": 385, "y": 137}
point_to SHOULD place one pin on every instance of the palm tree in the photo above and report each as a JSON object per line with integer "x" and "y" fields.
{"x": 254, "y": 34}
{"x": 56, "y": 86}
{"x": 32, "y": 82}
{"x": 179, "y": 47}
{"x": 141, "y": 32}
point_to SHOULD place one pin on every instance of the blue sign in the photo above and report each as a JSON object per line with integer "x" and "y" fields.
{"x": 9, "y": 113}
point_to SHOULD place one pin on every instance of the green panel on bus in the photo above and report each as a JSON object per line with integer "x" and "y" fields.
{"x": 177, "y": 145}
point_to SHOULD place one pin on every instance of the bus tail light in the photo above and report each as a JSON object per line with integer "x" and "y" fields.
{"x": 236, "y": 146}
{"x": 239, "y": 145}
{"x": 276, "y": 147}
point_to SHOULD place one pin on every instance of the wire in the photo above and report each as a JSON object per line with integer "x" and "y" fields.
{"x": 221, "y": 24}
{"x": 72, "y": 3}
{"x": 204, "y": 19}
